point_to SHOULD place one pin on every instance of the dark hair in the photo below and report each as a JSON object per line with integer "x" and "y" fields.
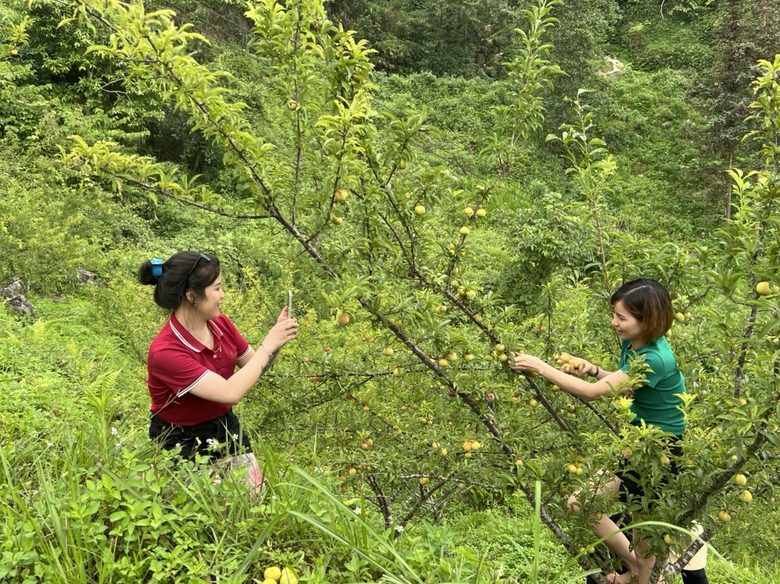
{"x": 648, "y": 302}
{"x": 183, "y": 271}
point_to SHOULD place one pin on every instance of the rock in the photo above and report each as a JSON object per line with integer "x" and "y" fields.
{"x": 615, "y": 66}
{"x": 86, "y": 278}
{"x": 20, "y": 305}
{"x": 14, "y": 288}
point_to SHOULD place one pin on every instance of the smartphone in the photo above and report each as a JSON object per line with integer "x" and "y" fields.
{"x": 289, "y": 304}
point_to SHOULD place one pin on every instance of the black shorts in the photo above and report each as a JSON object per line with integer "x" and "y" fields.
{"x": 216, "y": 438}
{"x": 629, "y": 485}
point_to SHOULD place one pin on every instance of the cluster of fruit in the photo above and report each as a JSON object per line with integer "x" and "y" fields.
{"x": 470, "y": 446}
{"x": 276, "y": 575}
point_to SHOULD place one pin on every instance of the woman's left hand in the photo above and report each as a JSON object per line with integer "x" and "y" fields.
{"x": 524, "y": 362}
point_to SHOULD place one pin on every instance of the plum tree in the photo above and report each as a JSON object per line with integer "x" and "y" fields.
{"x": 393, "y": 266}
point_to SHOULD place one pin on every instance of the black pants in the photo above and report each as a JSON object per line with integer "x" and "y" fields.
{"x": 216, "y": 438}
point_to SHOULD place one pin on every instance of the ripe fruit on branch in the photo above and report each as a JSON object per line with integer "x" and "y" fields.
{"x": 272, "y": 573}
{"x": 746, "y": 497}
{"x": 481, "y": 213}
{"x": 464, "y": 230}
{"x": 443, "y": 362}
{"x": 740, "y": 479}
{"x": 423, "y": 480}
{"x": 765, "y": 289}
{"x": 343, "y": 319}
{"x": 340, "y": 195}
{"x": 419, "y": 209}
{"x": 468, "y": 211}
{"x": 533, "y": 403}
{"x": 402, "y": 164}
{"x": 335, "y": 219}
{"x": 387, "y": 351}
{"x": 724, "y": 516}
{"x": 679, "y": 317}
{"x": 352, "y": 472}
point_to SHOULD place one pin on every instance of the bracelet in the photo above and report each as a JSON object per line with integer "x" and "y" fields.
{"x": 596, "y": 375}
{"x": 267, "y": 351}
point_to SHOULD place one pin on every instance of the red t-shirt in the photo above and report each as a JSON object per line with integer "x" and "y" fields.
{"x": 178, "y": 361}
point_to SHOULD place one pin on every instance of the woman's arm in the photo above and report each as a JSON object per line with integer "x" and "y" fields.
{"x": 216, "y": 388}
{"x": 248, "y": 355}
{"x": 604, "y": 385}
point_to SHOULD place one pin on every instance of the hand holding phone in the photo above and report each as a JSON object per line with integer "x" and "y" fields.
{"x": 289, "y": 304}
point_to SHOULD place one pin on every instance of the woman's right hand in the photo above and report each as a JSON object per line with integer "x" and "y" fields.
{"x": 576, "y": 365}
{"x": 286, "y": 328}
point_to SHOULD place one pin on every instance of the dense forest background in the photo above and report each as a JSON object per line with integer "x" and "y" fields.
{"x": 501, "y": 166}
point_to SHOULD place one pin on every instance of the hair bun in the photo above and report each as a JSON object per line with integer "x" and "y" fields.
{"x": 145, "y": 274}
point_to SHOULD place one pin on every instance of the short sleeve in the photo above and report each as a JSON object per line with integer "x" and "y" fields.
{"x": 655, "y": 369}
{"x": 176, "y": 369}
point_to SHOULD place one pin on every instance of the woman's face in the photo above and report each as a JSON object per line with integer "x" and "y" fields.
{"x": 210, "y": 306}
{"x": 626, "y": 326}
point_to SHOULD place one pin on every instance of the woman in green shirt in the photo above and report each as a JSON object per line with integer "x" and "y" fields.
{"x": 641, "y": 315}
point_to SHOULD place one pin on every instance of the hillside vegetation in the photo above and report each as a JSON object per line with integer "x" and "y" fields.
{"x": 462, "y": 180}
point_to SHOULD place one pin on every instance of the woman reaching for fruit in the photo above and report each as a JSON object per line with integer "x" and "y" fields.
{"x": 192, "y": 362}
{"x": 641, "y": 314}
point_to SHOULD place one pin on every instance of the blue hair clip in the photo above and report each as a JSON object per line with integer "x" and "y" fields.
{"x": 157, "y": 269}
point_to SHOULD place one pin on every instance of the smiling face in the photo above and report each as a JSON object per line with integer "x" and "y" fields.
{"x": 627, "y": 326}
{"x": 210, "y": 304}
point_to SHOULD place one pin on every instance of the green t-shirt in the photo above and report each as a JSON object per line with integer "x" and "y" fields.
{"x": 657, "y": 401}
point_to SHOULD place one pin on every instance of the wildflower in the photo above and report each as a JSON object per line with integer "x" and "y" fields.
{"x": 114, "y": 431}
{"x": 358, "y": 510}
{"x": 235, "y": 436}
{"x": 399, "y": 528}
{"x": 118, "y": 444}
{"x": 49, "y": 444}
{"x": 178, "y": 445}
{"x": 197, "y": 440}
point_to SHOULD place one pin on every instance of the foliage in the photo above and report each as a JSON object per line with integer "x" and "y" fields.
{"x": 310, "y": 188}
{"x": 444, "y": 38}
{"x": 745, "y": 33}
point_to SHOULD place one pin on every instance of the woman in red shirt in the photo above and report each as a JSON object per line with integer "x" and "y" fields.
{"x": 192, "y": 376}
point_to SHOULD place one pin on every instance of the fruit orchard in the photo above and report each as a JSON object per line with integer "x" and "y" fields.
{"x": 398, "y": 382}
